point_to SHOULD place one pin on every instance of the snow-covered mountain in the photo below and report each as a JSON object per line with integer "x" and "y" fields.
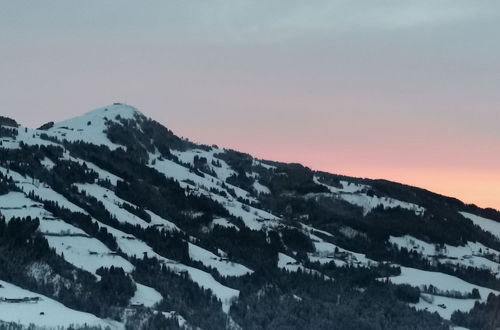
{"x": 111, "y": 220}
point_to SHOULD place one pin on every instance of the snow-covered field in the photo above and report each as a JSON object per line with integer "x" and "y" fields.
{"x": 326, "y": 252}
{"x": 444, "y": 306}
{"x": 145, "y": 296}
{"x": 442, "y": 282}
{"x": 368, "y": 203}
{"x": 223, "y": 266}
{"x": 87, "y": 253}
{"x": 17, "y": 205}
{"x": 347, "y": 187}
{"x": 355, "y": 194}
{"x": 472, "y": 254}
{"x": 486, "y": 224}
{"x": 288, "y": 263}
{"x": 103, "y": 174}
{"x": 112, "y": 203}
{"x": 223, "y": 223}
{"x": 254, "y": 218}
{"x": 44, "y": 311}
{"x": 180, "y": 173}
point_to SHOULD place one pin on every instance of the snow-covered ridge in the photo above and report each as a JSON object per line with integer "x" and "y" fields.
{"x": 110, "y": 112}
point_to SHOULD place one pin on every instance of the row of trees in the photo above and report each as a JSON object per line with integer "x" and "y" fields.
{"x": 484, "y": 316}
{"x": 305, "y": 301}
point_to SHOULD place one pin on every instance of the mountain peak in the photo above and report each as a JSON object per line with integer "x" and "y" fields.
{"x": 109, "y": 112}
{"x": 91, "y": 127}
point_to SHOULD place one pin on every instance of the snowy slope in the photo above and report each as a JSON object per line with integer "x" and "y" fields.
{"x": 43, "y": 312}
{"x": 472, "y": 254}
{"x": 145, "y": 296}
{"x": 443, "y": 282}
{"x": 180, "y": 173}
{"x": 90, "y": 254}
{"x": 223, "y": 266}
{"x": 26, "y": 135}
{"x": 355, "y": 194}
{"x": 486, "y": 224}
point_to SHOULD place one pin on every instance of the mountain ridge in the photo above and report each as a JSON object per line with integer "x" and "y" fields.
{"x": 119, "y": 206}
{"x": 129, "y": 111}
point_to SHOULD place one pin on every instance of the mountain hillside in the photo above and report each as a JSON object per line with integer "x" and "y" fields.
{"x": 110, "y": 220}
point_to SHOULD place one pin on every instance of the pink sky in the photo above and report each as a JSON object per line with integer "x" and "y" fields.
{"x": 404, "y": 90}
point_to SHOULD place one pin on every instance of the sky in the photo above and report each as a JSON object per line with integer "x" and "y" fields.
{"x": 400, "y": 90}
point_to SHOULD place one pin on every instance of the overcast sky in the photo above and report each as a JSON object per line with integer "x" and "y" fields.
{"x": 403, "y": 90}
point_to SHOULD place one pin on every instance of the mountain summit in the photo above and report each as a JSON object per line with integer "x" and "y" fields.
{"x": 111, "y": 220}
{"x": 91, "y": 127}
